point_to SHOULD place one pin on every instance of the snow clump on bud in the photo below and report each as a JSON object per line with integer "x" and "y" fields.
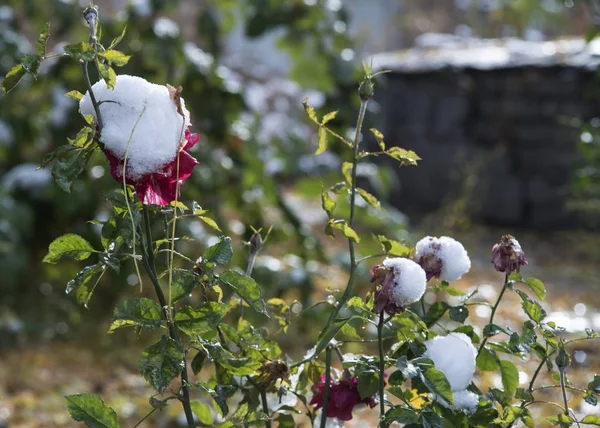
{"x": 398, "y": 282}
{"x": 444, "y": 258}
{"x": 454, "y": 355}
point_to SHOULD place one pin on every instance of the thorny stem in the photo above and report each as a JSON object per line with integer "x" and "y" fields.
{"x": 151, "y": 271}
{"x": 484, "y": 341}
{"x": 353, "y": 262}
{"x": 381, "y": 366}
{"x": 327, "y": 387}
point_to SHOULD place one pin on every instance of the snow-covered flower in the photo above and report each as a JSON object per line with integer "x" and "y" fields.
{"x": 444, "y": 258}
{"x": 507, "y": 255}
{"x": 343, "y": 397}
{"x": 398, "y": 282}
{"x": 146, "y": 125}
{"x": 454, "y": 355}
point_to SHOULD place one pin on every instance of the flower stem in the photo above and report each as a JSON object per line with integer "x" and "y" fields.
{"x": 151, "y": 271}
{"x": 484, "y": 341}
{"x": 381, "y": 366}
{"x": 327, "y": 387}
{"x": 561, "y": 371}
{"x": 265, "y": 405}
{"x": 353, "y": 262}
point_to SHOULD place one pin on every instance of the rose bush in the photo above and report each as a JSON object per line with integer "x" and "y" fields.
{"x": 212, "y": 319}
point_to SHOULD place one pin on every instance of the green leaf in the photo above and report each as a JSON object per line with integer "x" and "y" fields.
{"x": 491, "y": 330}
{"x": 210, "y": 222}
{"x": 40, "y": 45}
{"x": 108, "y": 74}
{"x": 12, "y": 78}
{"x": 431, "y": 419}
{"x": 246, "y": 288}
{"x": 329, "y": 116}
{"x": 370, "y": 199}
{"x": 402, "y": 415}
{"x": 435, "y": 312}
{"x": 220, "y": 253}
{"x": 561, "y": 419}
{"x": 459, "y": 313}
{"x": 322, "y": 140}
{"x": 31, "y": 64}
{"x": 591, "y": 420}
{"x": 327, "y": 203}
{"x": 200, "y": 321}
{"x": 310, "y": 111}
{"x": 510, "y": 377}
{"x": 82, "y": 51}
{"x": 393, "y": 248}
{"x": 115, "y": 57}
{"x": 161, "y": 363}
{"x": 82, "y": 138}
{"x": 65, "y": 171}
{"x": 534, "y": 311}
{"x": 368, "y": 384}
{"x": 202, "y": 412}
{"x": 138, "y": 312}
{"x": 198, "y": 362}
{"x": 408, "y": 369}
{"x": 342, "y": 225}
{"x": 69, "y": 246}
{"x": 537, "y": 287}
{"x": 406, "y": 157}
{"x": 74, "y": 95}
{"x": 487, "y": 361}
{"x": 81, "y": 283}
{"x": 184, "y": 281}
{"x": 379, "y": 137}
{"x": 91, "y": 410}
{"x": 594, "y": 385}
{"x": 347, "y": 172}
{"x": 326, "y": 335}
{"x": 437, "y": 383}
{"x": 118, "y": 39}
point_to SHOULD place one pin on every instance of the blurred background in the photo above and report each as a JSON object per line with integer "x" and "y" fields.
{"x": 499, "y": 98}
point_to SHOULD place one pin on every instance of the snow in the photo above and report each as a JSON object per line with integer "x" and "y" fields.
{"x": 409, "y": 280}
{"x": 25, "y": 176}
{"x": 454, "y": 355}
{"x": 160, "y": 129}
{"x": 330, "y": 423}
{"x": 452, "y": 254}
{"x": 466, "y": 400}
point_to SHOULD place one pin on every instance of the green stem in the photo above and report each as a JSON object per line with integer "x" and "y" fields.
{"x": 151, "y": 271}
{"x": 265, "y": 405}
{"x": 325, "y": 407}
{"x": 484, "y": 341}
{"x": 145, "y": 417}
{"x": 564, "y": 390}
{"x": 381, "y": 367}
{"x": 353, "y": 262}
{"x": 88, "y": 84}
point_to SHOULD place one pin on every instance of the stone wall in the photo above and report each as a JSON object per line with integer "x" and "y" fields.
{"x": 502, "y": 137}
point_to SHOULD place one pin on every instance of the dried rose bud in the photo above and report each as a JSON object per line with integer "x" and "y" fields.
{"x": 397, "y": 283}
{"x": 507, "y": 255}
